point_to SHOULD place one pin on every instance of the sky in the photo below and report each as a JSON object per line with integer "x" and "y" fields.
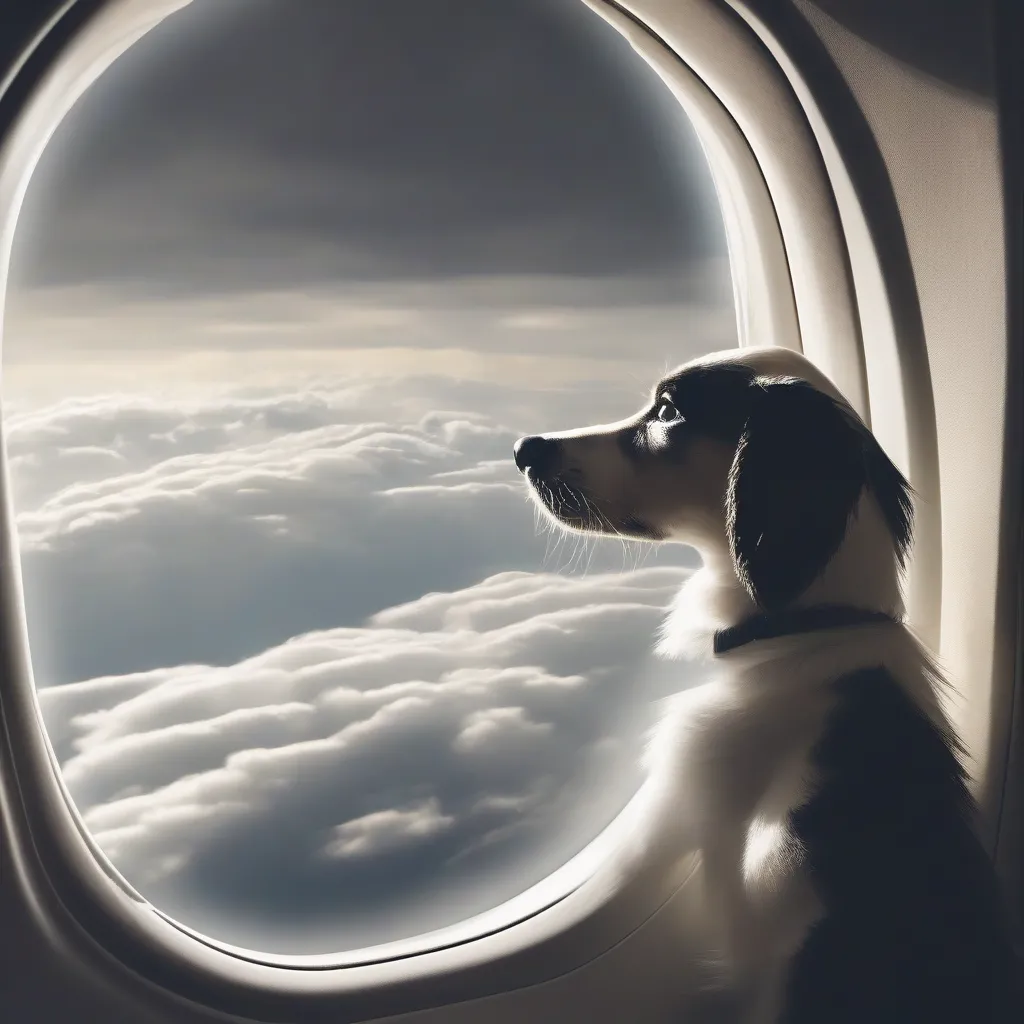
{"x": 290, "y": 280}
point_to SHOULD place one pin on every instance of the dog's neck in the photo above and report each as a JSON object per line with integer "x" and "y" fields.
{"x": 863, "y": 574}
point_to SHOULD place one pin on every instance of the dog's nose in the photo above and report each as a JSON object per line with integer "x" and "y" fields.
{"x": 536, "y": 453}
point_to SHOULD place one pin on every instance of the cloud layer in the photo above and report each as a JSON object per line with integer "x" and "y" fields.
{"x": 153, "y": 534}
{"x": 300, "y": 660}
{"x": 355, "y": 785}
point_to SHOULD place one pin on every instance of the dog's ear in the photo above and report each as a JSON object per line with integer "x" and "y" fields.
{"x": 799, "y": 469}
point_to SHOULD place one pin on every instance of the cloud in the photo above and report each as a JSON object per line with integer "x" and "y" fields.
{"x": 484, "y": 731}
{"x": 433, "y": 762}
{"x": 384, "y": 831}
{"x": 235, "y": 546}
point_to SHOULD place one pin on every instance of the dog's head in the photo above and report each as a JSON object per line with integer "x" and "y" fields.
{"x": 751, "y": 454}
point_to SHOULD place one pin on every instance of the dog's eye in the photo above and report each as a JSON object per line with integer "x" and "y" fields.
{"x": 667, "y": 412}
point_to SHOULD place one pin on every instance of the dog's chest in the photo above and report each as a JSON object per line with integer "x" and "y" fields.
{"x": 742, "y": 764}
{"x": 739, "y": 752}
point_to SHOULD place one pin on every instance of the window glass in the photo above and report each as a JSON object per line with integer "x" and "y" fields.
{"x": 290, "y": 280}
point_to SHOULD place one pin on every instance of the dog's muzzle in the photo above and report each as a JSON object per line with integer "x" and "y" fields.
{"x": 539, "y": 454}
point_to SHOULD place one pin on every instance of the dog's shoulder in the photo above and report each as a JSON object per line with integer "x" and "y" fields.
{"x": 743, "y": 737}
{"x": 913, "y": 927}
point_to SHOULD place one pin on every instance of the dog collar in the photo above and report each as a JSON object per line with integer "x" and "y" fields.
{"x": 768, "y": 625}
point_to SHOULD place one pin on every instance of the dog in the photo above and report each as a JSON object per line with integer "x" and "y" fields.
{"x": 816, "y": 774}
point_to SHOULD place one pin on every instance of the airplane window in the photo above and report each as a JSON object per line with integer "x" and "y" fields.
{"x": 289, "y": 282}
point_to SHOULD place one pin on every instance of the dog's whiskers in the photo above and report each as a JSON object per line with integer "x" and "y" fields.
{"x": 541, "y": 523}
{"x": 624, "y": 541}
{"x": 585, "y": 515}
{"x": 593, "y": 512}
{"x": 573, "y": 506}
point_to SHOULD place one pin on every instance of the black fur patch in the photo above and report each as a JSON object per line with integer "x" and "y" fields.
{"x": 715, "y": 400}
{"x": 798, "y": 472}
{"x": 801, "y": 464}
{"x": 913, "y": 927}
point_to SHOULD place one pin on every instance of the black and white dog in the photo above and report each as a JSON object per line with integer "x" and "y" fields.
{"x": 817, "y": 774}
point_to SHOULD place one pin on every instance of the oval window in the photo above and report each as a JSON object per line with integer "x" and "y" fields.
{"x": 289, "y": 282}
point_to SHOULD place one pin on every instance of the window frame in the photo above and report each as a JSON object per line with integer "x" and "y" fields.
{"x": 813, "y": 270}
